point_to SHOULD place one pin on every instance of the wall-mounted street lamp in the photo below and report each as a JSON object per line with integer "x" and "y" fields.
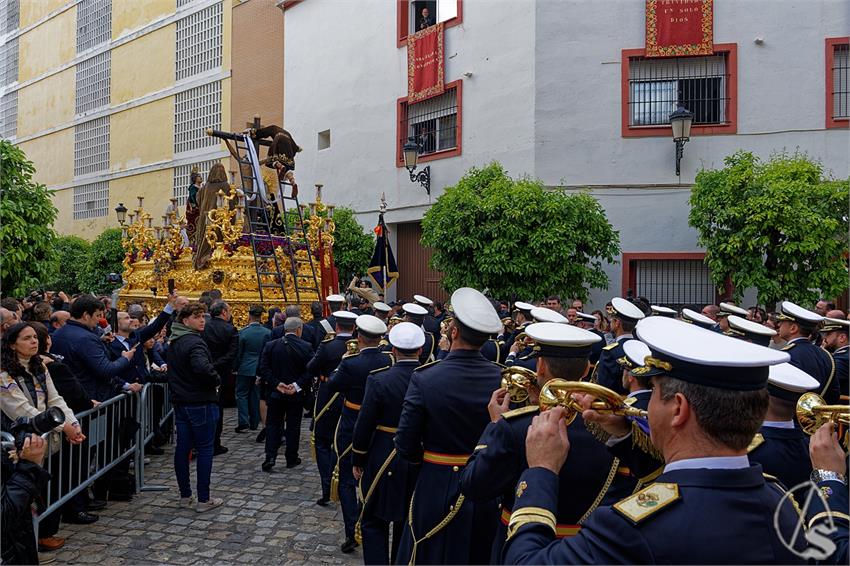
{"x": 411, "y": 155}
{"x": 121, "y": 212}
{"x": 681, "y": 120}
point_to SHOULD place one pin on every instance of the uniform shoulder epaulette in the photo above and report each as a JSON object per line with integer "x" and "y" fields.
{"x": 757, "y": 441}
{"x": 379, "y": 370}
{"x": 348, "y": 355}
{"x": 788, "y": 346}
{"x": 611, "y": 346}
{"x": 518, "y": 412}
{"x": 328, "y": 339}
{"x": 428, "y": 365}
{"x": 648, "y": 501}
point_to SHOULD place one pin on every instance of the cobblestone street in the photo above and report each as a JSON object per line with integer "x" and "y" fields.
{"x": 266, "y": 518}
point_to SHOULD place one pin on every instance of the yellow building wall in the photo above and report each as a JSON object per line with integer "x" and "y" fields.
{"x": 53, "y": 157}
{"x": 130, "y": 15}
{"x": 156, "y": 187}
{"x": 48, "y": 46}
{"x": 33, "y": 10}
{"x": 142, "y": 135}
{"x": 144, "y": 65}
{"x": 64, "y": 201}
{"x": 47, "y": 103}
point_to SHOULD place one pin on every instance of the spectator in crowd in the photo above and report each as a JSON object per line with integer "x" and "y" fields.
{"x": 312, "y": 328}
{"x": 362, "y": 289}
{"x": 26, "y": 390}
{"x": 251, "y": 341}
{"x": 571, "y": 315}
{"x": 839, "y": 314}
{"x": 58, "y": 320}
{"x": 757, "y": 314}
{"x": 194, "y": 382}
{"x": 222, "y": 340}
{"x": 130, "y": 333}
{"x": 270, "y": 320}
{"x": 553, "y": 302}
{"x": 23, "y": 480}
{"x": 7, "y": 319}
{"x": 776, "y": 342}
{"x": 711, "y": 311}
{"x": 426, "y": 19}
{"x": 13, "y": 305}
{"x": 41, "y": 313}
{"x": 578, "y": 305}
{"x": 823, "y": 306}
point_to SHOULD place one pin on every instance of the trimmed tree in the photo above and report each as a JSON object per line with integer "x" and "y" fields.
{"x": 26, "y": 224}
{"x": 105, "y": 256}
{"x": 72, "y": 253}
{"x": 352, "y": 245}
{"x": 518, "y": 239}
{"x": 779, "y": 226}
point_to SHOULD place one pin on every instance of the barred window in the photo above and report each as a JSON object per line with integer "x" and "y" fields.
{"x": 9, "y": 115}
{"x": 657, "y": 86}
{"x": 182, "y": 176}
{"x": 91, "y": 201}
{"x": 93, "y": 83}
{"x": 94, "y": 23}
{"x": 91, "y": 146}
{"x": 9, "y": 62}
{"x": 432, "y": 122}
{"x": 195, "y": 110}
{"x": 199, "y": 39}
{"x": 841, "y": 81}
{"x": 9, "y": 15}
{"x": 182, "y": 3}
{"x": 675, "y": 283}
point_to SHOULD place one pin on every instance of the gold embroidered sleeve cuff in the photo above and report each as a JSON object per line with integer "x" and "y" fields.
{"x": 527, "y": 515}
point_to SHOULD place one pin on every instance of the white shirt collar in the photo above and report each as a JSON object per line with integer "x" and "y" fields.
{"x": 123, "y": 341}
{"x": 778, "y": 424}
{"x": 797, "y": 339}
{"x": 634, "y": 393}
{"x": 622, "y": 337}
{"x": 713, "y": 463}
{"x": 343, "y": 334}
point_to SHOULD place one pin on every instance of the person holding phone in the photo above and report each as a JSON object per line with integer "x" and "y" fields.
{"x": 23, "y": 477}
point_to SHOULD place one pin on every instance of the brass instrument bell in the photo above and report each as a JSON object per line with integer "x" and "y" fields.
{"x": 351, "y": 347}
{"x": 559, "y": 392}
{"x": 813, "y": 412}
{"x": 517, "y": 380}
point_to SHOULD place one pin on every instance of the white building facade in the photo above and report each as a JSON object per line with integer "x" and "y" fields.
{"x": 559, "y": 90}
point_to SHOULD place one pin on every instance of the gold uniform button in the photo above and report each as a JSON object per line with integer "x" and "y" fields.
{"x": 455, "y": 468}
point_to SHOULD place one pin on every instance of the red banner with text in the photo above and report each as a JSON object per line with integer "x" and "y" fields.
{"x": 425, "y": 64}
{"x": 679, "y": 27}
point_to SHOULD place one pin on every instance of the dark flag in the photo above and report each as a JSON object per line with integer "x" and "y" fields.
{"x": 382, "y": 269}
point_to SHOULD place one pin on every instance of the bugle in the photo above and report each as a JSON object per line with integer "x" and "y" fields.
{"x": 559, "y": 392}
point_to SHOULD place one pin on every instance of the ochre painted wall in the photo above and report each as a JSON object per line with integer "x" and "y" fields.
{"x": 34, "y": 10}
{"x": 144, "y": 65}
{"x": 130, "y": 15}
{"x": 64, "y": 201}
{"x": 46, "y": 104}
{"x": 48, "y": 46}
{"x": 53, "y": 157}
{"x": 156, "y": 187}
{"x": 142, "y": 135}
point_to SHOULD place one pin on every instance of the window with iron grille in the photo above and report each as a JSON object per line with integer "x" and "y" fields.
{"x": 9, "y": 115}
{"x": 91, "y": 146}
{"x": 94, "y": 23}
{"x": 182, "y": 3}
{"x": 9, "y": 15}
{"x": 195, "y": 110}
{"x": 93, "y": 83}
{"x": 675, "y": 283}
{"x": 182, "y": 176}
{"x": 432, "y": 122}
{"x": 841, "y": 81}
{"x": 199, "y": 39}
{"x": 91, "y": 201}
{"x": 9, "y": 62}
{"x": 657, "y": 86}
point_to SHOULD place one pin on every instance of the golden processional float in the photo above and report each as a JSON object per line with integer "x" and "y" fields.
{"x": 255, "y": 243}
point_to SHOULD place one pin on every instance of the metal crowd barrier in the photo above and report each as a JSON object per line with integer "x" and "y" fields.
{"x": 110, "y": 439}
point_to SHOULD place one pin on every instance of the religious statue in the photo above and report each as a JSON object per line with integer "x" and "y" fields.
{"x": 207, "y": 199}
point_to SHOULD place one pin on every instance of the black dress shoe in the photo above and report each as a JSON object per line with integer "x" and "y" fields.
{"x": 349, "y": 545}
{"x": 219, "y": 450}
{"x": 95, "y": 505}
{"x": 293, "y": 463}
{"x": 262, "y": 436}
{"x": 81, "y": 518}
{"x": 241, "y": 428}
{"x": 154, "y": 450}
{"x": 323, "y": 502}
{"x": 119, "y": 496}
{"x": 268, "y": 465}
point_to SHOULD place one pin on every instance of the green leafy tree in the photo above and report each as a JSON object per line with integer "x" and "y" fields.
{"x": 352, "y": 245}
{"x": 26, "y": 224}
{"x": 779, "y": 226}
{"x": 105, "y": 256}
{"x": 518, "y": 239}
{"x": 72, "y": 253}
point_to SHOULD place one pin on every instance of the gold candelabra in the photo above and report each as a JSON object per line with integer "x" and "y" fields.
{"x": 320, "y": 224}
{"x": 224, "y": 225}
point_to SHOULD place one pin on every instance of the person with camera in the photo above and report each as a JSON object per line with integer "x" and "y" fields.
{"x": 23, "y": 480}
{"x": 27, "y": 390}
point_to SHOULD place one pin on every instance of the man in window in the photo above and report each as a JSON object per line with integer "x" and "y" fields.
{"x": 427, "y": 19}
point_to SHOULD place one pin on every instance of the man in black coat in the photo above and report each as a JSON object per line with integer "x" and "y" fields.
{"x": 22, "y": 483}
{"x": 283, "y": 367}
{"x": 222, "y": 338}
{"x": 130, "y": 333}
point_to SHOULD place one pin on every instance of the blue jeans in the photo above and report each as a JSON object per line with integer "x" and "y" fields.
{"x": 195, "y": 429}
{"x": 248, "y": 401}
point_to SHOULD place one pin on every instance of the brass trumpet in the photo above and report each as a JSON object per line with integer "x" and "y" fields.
{"x": 559, "y": 392}
{"x": 509, "y": 324}
{"x": 518, "y": 380}
{"x": 524, "y": 340}
{"x": 351, "y": 347}
{"x": 813, "y": 412}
